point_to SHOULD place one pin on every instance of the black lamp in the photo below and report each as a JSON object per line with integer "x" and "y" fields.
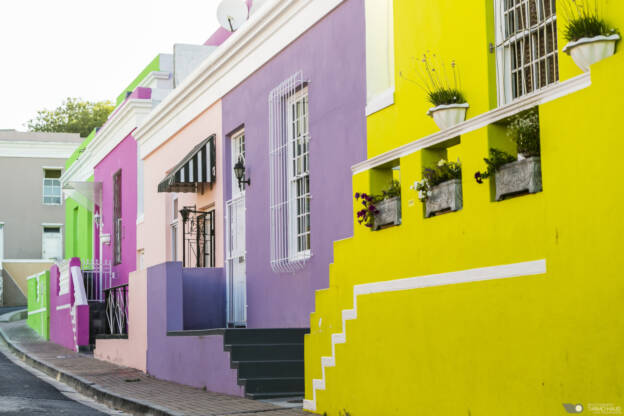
{"x": 239, "y": 171}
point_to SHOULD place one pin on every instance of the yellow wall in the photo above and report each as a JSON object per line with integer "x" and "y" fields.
{"x": 520, "y": 346}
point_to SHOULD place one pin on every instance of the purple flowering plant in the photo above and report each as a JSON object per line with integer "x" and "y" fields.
{"x": 366, "y": 215}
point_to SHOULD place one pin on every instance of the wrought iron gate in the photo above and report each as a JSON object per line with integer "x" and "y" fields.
{"x": 198, "y": 243}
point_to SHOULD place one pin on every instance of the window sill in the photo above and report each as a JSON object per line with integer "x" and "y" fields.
{"x": 380, "y": 101}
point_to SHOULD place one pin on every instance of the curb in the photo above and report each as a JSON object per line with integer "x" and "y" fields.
{"x": 87, "y": 388}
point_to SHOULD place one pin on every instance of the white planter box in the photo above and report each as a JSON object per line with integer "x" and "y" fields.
{"x": 389, "y": 212}
{"x": 446, "y": 196}
{"x": 517, "y": 177}
{"x": 448, "y": 115}
{"x": 587, "y": 51}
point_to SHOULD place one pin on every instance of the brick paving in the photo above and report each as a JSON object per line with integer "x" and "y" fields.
{"x": 134, "y": 384}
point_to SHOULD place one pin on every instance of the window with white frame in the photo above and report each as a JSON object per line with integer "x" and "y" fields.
{"x": 289, "y": 156}
{"x": 526, "y": 47}
{"x": 52, "y": 244}
{"x": 52, "y": 186}
{"x": 174, "y": 228}
{"x": 237, "y": 151}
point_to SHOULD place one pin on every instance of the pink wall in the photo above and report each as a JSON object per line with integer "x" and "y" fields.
{"x": 155, "y": 231}
{"x": 131, "y": 352}
{"x": 123, "y": 157}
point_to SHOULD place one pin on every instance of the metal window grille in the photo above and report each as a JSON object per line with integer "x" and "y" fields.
{"x": 289, "y": 156}
{"x": 117, "y": 216}
{"x": 198, "y": 238}
{"x": 236, "y": 261}
{"x": 526, "y": 49}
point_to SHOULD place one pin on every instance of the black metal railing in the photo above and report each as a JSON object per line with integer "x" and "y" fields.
{"x": 117, "y": 310}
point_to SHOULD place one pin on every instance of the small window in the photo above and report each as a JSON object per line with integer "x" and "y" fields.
{"x": 52, "y": 187}
{"x": 526, "y": 47}
{"x": 237, "y": 151}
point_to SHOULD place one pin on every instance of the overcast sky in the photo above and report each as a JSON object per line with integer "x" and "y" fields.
{"x": 53, "y": 49}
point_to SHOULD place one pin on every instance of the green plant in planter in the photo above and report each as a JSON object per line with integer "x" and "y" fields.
{"x": 366, "y": 215}
{"x": 524, "y": 129}
{"x": 497, "y": 159}
{"x": 444, "y": 171}
{"x": 583, "y": 21}
{"x": 441, "y": 85}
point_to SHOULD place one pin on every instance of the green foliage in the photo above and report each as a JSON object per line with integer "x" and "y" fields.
{"x": 444, "y": 171}
{"x": 524, "y": 129}
{"x": 72, "y": 116}
{"x": 366, "y": 215}
{"x": 497, "y": 159}
{"x": 441, "y": 86}
{"x": 584, "y": 21}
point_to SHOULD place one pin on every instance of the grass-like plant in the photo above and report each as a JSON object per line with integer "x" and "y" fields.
{"x": 583, "y": 20}
{"x": 441, "y": 85}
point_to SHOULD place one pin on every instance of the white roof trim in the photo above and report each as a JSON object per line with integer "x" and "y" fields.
{"x": 543, "y": 96}
{"x": 267, "y": 32}
{"x": 35, "y": 149}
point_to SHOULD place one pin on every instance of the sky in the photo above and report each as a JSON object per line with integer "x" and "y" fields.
{"x": 54, "y": 49}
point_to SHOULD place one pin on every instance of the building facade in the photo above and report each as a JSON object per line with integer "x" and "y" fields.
{"x": 501, "y": 304}
{"x": 31, "y": 212}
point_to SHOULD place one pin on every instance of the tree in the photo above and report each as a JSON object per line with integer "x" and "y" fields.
{"x": 72, "y": 116}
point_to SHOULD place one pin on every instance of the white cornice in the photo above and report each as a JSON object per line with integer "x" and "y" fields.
{"x": 110, "y": 135}
{"x": 34, "y": 149}
{"x": 268, "y": 31}
{"x": 154, "y": 75}
{"x": 547, "y": 94}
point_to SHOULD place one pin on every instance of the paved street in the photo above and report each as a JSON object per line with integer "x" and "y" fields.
{"x": 22, "y": 393}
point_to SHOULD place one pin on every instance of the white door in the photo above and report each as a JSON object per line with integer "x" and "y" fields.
{"x": 52, "y": 247}
{"x": 235, "y": 243}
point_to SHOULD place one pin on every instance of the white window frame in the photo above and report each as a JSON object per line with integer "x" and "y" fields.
{"x": 56, "y": 183}
{"x": 294, "y": 178}
{"x": 238, "y": 150}
{"x": 173, "y": 226}
{"x": 504, "y": 45}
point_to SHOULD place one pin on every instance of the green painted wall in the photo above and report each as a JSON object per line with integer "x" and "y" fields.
{"x": 80, "y": 149}
{"x": 151, "y": 67}
{"x": 39, "y": 304}
{"x": 78, "y": 230}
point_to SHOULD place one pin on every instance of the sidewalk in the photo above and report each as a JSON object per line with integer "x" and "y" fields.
{"x": 125, "y": 388}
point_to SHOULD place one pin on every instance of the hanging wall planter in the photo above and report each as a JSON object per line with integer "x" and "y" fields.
{"x": 389, "y": 213}
{"x": 519, "y": 177}
{"x": 448, "y": 115}
{"x": 444, "y": 197}
{"x": 587, "y": 51}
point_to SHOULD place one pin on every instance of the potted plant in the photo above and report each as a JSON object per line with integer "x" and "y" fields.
{"x": 443, "y": 90}
{"x": 590, "y": 39}
{"x": 441, "y": 188}
{"x": 380, "y": 209}
{"x": 516, "y": 175}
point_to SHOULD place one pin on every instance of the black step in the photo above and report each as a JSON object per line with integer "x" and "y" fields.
{"x": 264, "y": 336}
{"x": 273, "y": 385}
{"x": 282, "y": 368}
{"x": 276, "y": 395}
{"x": 265, "y": 352}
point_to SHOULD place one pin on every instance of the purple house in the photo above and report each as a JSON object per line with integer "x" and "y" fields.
{"x": 298, "y": 125}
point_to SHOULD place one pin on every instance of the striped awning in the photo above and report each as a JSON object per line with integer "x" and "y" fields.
{"x": 198, "y": 167}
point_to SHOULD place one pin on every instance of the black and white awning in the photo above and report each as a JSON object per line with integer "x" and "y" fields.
{"x": 198, "y": 167}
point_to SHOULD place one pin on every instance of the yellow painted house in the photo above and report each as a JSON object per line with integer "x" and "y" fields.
{"x": 510, "y": 307}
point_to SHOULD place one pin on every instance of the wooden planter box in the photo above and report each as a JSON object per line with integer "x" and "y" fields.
{"x": 446, "y": 196}
{"x": 519, "y": 177}
{"x": 389, "y": 213}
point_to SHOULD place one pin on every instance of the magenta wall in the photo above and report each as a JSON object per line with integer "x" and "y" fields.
{"x": 331, "y": 56}
{"x": 123, "y": 157}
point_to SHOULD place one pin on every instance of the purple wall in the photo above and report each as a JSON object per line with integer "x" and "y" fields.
{"x": 332, "y": 57}
{"x": 198, "y": 361}
{"x": 203, "y": 295}
{"x": 123, "y": 157}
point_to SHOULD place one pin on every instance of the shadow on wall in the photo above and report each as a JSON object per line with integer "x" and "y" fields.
{"x": 203, "y": 298}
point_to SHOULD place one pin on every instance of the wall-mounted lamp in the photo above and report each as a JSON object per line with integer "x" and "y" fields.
{"x": 239, "y": 171}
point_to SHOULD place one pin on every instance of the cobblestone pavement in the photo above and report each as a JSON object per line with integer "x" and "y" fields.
{"x": 133, "y": 384}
